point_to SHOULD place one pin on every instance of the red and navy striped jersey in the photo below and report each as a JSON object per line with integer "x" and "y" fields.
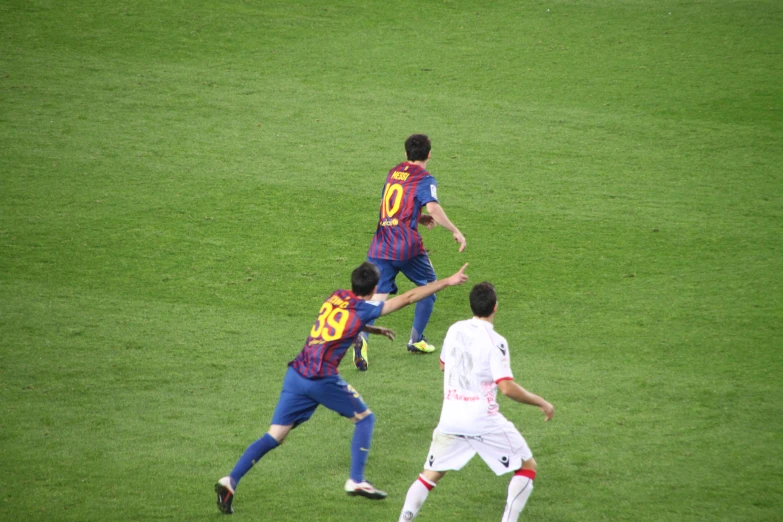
{"x": 408, "y": 187}
{"x": 340, "y": 320}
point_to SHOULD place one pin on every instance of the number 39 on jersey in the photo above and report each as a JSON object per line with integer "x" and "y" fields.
{"x": 331, "y": 322}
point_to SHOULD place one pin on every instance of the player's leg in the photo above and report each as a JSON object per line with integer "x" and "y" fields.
{"x": 386, "y": 285}
{"x": 387, "y": 280}
{"x": 226, "y": 486}
{"x": 341, "y": 397}
{"x": 271, "y": 440}
{"x": 519, "y": 490}
{"x": 420, "y": 271}
{"x": 505, "y": 450}
{"x": 293, "y": 408}
{"x": 418, "y": 493}
{"x": 364, "y": 425}
{"x": 447, "y": 452}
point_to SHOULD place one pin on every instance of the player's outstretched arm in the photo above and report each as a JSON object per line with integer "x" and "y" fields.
{"x": 420, "y": 292}
{"x": 439, "y": 215}
{"x": 514, "y": 391}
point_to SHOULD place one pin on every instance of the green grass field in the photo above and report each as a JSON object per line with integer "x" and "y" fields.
{"x": 183, "y": 183}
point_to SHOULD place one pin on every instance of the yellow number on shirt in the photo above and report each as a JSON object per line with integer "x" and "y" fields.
{"x": 389, "y": 208}
{"x": 319, "y": 323}
{"x": 336, "y": 322}
{"x": 331, "y": 323}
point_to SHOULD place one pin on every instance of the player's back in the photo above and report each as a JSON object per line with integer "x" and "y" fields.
{"x": 340, "y": 319}
{"x": 475, "y": 359}
{"x": 408, "y": 187}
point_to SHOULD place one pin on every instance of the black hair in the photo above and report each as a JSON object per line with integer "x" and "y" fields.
{"x": 483, "y": 299}
{"x": 417, "y": 147}
{"x": 364, "y": 278}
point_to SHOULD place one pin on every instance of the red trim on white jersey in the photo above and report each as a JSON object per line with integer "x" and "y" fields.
{"x": 504, "y": 379}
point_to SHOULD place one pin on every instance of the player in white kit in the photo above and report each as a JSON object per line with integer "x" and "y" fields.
{"x": 475, "y": 361}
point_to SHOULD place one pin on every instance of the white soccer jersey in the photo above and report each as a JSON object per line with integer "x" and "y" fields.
{"x": 476, "y": 358}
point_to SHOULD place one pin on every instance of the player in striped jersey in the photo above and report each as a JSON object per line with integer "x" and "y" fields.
{"x": 312, "y": 378}
{"x": 397, "y": 245}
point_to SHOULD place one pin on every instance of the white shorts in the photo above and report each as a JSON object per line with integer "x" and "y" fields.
{"x": 503, "y": 450}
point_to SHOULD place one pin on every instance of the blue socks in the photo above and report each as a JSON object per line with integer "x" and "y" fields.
{"x": 421, "y": 316}
{"x": 360, "y": 446}
{"x": 252, "y": 454}
{"x": 360, "y": 450}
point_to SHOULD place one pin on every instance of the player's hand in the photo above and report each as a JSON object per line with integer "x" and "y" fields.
{"x": 386, "y": 332}
{"x": 458, "y": 278}
{"x": 428, "y": 221}
{"x": 548, "y": 410}
{"x": 459, "y": 238}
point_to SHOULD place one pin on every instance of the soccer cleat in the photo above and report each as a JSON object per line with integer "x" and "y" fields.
{"x": 421, "y": 347}
{"x": 225, "y": 495}
{"x": 363, "y": 489}
{"x": 360, "y": 353}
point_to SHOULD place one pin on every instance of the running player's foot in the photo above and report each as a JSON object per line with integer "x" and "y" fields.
{"x": 225, "y": 495}
{"x": 360, "y": 353}
{"x": 363, "y": 489}
{"x": 421, "y": 347}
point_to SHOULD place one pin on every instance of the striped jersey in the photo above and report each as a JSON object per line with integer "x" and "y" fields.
{"x": 341, "y": 318}
{"x": 408, "y": 187}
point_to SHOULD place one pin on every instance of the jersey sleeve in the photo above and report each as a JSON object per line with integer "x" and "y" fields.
{"x": 427, "y": 190}
{"x": 500, "y": 361}
{"x": 369, "y": 310}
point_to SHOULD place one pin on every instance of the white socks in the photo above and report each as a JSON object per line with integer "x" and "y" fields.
{"x": 416, "y": 496}
{"x": 519, "y": 490}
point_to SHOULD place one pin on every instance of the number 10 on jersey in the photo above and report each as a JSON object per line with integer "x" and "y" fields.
{"x": 393, "y": 191}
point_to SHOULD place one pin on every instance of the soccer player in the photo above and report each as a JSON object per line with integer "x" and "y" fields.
{"x": 312, "y": 378}
{"x": 475, "y": 361}
{"x": 397, "y": 245}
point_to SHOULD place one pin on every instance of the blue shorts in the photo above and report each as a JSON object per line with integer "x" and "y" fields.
{"x": 300, "y": 397}
{"x": 418, "y": 269}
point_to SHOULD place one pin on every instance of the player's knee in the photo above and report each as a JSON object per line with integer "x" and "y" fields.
{"x": 279, "y": 432}
{"x": 366, "y": 416}
{"x": 369, "y": 420}
{"x": 529, "y": 464}
{"x": 433, "y": 476}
